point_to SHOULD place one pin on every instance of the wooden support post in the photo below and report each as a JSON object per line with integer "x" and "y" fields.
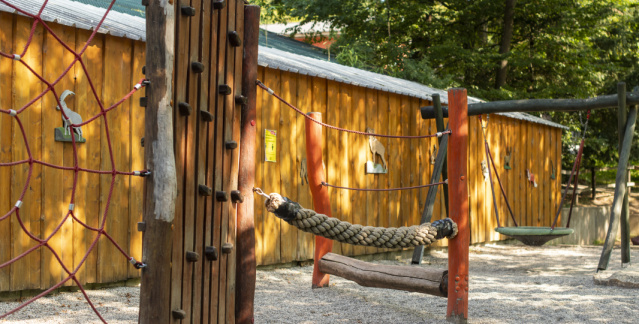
{"x": 622, "y": 118}
{"x": 161, "y": 186}
{"x": 620, "y": 189}
{"x": 439, "y": 120}
{"x": 457, "y": 311}
{"x": 417, "y": 279}
{"x": 321, "y": 202}
{"x": 245, "y": 268}
{"x": 429, "y": 205}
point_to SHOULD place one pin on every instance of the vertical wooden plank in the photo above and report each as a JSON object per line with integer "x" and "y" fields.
{"x": 394, "y": 149}
{"x": 208, "y": 95}
{"x": 25, "y": 273}
{"x": 271, "y": 116}
{"x": 305, "y": 241}
{"x": 545, "y": 177}
{"x": 358, "y": 154}
{"x": 405, "y": 161}
{"x": 345, "y": 158}
{"x": 415, "y": 157}
{"x": 332, "y": 158}
{"x": 474, "y": 185}
{"x": 523, "y": 184}
{"x": 260, "y": 240}
{"x": 54, "y": 199}
{"x": 136, "y": 187}
{"x": 487, "y": 197}
{"x": 558, "y": 148}
{"x": 533, "y": 205}
{"x": 383, "y": 181}
{"x": 6, "y": 153}
{"x": 112, "y": 266}
{"x": 372, "y": 198}
{"x": 88, "y": 208}
{"x": 180, "y": 76}
{"x": 289, "y": 181}
{"x": 517, "y": 164}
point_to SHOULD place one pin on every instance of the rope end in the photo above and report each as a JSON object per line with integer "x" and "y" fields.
{"x": 12, "y": 113}
{"x": 136, "y": 264}
{"x": 17, "y": 57}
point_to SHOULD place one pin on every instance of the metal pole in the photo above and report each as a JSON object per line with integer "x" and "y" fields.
{"x": 161, "y": 186}
{"x": 321, "y": 201}
{"x": 457, "y": 311}
{"x": 245, "y": 268}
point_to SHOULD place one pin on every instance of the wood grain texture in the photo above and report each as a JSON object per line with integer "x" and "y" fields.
{"x": 415, "y": 279}
{"x": 6, "y": 150}
{"x": 305, "y": 241}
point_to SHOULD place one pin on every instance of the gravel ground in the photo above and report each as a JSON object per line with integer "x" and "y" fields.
{"x": 508, "y": 284}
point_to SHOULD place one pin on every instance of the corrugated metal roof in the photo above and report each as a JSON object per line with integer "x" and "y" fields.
{"x": 121, "y": 24}
{"x": 287, "y": 44}
{"x": 84, "y": 16}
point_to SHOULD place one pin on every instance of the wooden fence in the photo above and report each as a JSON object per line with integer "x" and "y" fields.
{"x": 115, "y": 65}
{"x": 535, "y": 147}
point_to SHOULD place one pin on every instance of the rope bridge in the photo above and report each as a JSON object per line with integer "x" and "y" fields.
{"x": 332, "y": 228}
{"x": 74, "y": 126}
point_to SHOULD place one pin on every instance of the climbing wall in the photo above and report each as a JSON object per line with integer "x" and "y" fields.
{"x": 207, "y": 77}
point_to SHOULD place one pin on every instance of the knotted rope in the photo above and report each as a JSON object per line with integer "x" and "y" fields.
{"x": 332, "y": 228}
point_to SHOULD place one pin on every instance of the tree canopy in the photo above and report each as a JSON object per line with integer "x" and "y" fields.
{"x": 498, "y": 50}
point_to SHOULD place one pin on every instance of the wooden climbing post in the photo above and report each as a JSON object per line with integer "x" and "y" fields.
{"x": 159, "y": 157}
{"x": 321, "y": 202}
{"x": 245, "y": 267}
{"x": 457, "y": 311}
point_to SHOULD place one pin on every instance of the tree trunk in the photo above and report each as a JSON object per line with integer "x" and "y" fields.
{"x": 506, "y": 38}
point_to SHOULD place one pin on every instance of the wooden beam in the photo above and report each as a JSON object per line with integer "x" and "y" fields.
{"x": 620, "y": 190}
{"x": 321, "y": 201}
{"x": 416, "y": 279}
{"x": 537, "y": 105}
{"x": 245, "y": 268}
{"x": 622, "y": 118}
{"x": 161, "y": 186}
{"x": 457, "y": 310}
{"x": 429, "y": 205}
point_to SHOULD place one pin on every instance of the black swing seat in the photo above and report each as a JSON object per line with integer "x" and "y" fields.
{"x": 532, "y": 235}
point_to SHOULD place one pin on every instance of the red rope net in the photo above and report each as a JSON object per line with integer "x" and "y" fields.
{"x": 73, "y": 127}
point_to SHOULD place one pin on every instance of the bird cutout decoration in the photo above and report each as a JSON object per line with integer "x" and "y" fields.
{"x": 553, "y": 174}
{"x": 303, "y": 171}
{"x": 531, "y": 178}
{"x": 484, "y": 170}
{"x": 64, "y": 133}
{"x": 433, "y": 155}
{"x": 377, "y": 149}
{"x": 508, "y": 158}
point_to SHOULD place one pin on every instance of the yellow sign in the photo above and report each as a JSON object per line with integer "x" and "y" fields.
{"x": 270, "y": 145}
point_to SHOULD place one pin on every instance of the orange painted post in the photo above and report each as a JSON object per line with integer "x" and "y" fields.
{"x": 321, "y": 202}
{"x": 457, "y": 311}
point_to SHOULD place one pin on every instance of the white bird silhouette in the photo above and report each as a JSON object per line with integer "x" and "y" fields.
{"x": 74, "y": 117}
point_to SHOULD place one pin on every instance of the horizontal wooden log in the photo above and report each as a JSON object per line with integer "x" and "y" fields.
{"x": 409, "y": 278}
{"x": 536, "y": 105}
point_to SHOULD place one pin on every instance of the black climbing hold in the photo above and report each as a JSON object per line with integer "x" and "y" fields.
{"x": 185, "y": 108}
{"x": 197, "y": 67}
{"x": 144, "y": 70}
{"x": 224, "y": 89}
{"x": 204, "y": 190}
{"x": 141, "y": 226}
{"x": 206, "y": 116}
{"x": 230, "y": 145}
{"x": 178, "y": 314}
{"x": 188, "y": 11}
{"x": 227, "y": 248}
{"x": 234, "y": 39}
{"x": 142, "y": 101}
{"x": 220, "y": 4}
{"x": 142, "y": 141}
{"x": 192, "y": 256}
{"x": 211, "y": 253}
{"x": 236, "y": 196}
{"x": 221, "y": 196}
{"x": 241, "y": 100}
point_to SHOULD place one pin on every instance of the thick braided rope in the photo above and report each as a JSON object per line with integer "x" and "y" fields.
{"x": 332, "y": 228}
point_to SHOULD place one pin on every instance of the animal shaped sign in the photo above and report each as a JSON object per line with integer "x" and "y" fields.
{"x": 64, "y": 133}
{"x": 377, "y": 149}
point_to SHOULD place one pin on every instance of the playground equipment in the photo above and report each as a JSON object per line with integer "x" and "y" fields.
{"x": 530, "y": 235}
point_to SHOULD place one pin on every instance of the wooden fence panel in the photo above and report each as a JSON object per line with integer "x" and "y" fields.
{"x": 6, "y": 151}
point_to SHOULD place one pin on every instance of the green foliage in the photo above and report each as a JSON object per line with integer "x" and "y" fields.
{"x": 559, "y": 49}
